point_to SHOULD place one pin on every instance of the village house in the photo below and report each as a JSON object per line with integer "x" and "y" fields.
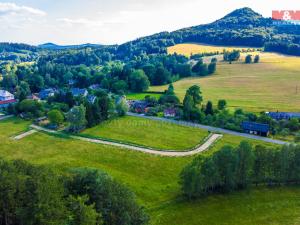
{"x": 283, "y": 115}
{"x": 6, "y": 98}
{"x": 94, "y": 87}
{"x": 170, "y": 113}
{"x": 33, "y": 97}
{"x": 76, "y": 92}
{"x": 91, "y": 99}
{"x": 46, "y": 93}
{"x": 256, "y": 128}
{"x": 138, "y": 106}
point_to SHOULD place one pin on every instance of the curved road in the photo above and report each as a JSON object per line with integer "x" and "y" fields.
{"x": 211, "y": 129}
{"x": 170, "y": 153}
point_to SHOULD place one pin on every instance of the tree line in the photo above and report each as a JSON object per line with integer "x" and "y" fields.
{"x": 38, "y": 195}
{"x": 239, "y": 168}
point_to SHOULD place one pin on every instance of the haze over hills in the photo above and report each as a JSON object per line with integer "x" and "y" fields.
{"x": 242, "y": 27}
{"x": 52, "y": 46}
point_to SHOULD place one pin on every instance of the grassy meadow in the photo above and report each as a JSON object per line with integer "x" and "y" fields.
{"x": 270, "y": 85}
{"x": 189, "y": 48}
{"x": 154, "y": 179}
{"x": 149, "y": 133}
{"x": 141, "y": 96}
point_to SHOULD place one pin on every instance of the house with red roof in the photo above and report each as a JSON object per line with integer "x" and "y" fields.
{"x": 6, "y": 98}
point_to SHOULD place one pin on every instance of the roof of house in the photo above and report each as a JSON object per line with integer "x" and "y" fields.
{"x": 283, "y": 115}
{"x": 5, "y": 93}
{"x": 8, "y": 102}
{"x": 78, "y": 91}
{"x": 46, "y": 91}
{"x": 170, "y": 111}
{"x": 255, "y": 126}
{"x": 91, "y": 98}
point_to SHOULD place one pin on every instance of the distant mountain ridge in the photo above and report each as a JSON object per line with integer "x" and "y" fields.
{"x": 52, "y": 46}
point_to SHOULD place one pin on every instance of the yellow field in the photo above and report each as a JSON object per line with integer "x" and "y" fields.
{"x": 188, "y": 49}
{"x": 273, "y": 84}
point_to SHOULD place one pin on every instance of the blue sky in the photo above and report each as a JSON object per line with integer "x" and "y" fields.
{"x": 114, "y": 21}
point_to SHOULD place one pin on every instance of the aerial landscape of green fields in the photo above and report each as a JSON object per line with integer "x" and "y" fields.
{"x": 198, "y": 126}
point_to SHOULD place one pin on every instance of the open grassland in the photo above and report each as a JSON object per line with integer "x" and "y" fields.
{"x": 148, "y": 133}
{"x": 271, "y": 85}
{"x": 141, "y": 96}
{"x": 154, "y": 180}
{"x": 190, "y": 48}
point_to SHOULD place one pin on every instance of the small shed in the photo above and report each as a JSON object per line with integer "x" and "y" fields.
{"x": 256, "y": 128}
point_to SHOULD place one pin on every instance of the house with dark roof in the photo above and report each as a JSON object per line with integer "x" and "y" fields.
{"x": 46, "y": 93}
{"x": 138, "y": 106}
{"x": 256, "y": 128}
{"x": 170, "y": 112}
{"x": 283, "y": 115}
{"x": 91, "y": 99}
{"x": 76, "y": 92}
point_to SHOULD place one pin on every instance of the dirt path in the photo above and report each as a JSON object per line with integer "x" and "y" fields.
{"x": 171, "y": 153}
{"x": 19, "y": 137}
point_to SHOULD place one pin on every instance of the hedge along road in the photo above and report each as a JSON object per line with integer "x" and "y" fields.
{"x": 205, "y": 146}
{"x": 211, "y": 129}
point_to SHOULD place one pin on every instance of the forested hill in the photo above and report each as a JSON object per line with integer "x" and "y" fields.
{"x": 240, "y": 27}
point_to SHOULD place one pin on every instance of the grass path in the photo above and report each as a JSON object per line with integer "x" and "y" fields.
{"x": 170, "y": 153}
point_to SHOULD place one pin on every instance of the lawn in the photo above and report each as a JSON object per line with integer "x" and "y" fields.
{"x": 149, "y": 133}
{"x": 141, "y": 96}
{"x": 154, "y": 179}
{"x": 190, "y": 48}
{"x": 271, "y": 85}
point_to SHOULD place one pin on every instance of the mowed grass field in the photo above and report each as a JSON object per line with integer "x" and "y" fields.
{"x": 271, "y": 85}
{"x": 189, "y": 48}
{"x": 154, "y": 179}
{"x": 141, "y": 96}
{"x": 149, "y": 133}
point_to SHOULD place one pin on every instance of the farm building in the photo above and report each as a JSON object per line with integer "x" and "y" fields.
{"x": 283, "y": 115}
{"x": 256, "y": 128}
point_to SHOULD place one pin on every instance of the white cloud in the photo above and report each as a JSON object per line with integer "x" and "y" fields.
{"x": 81, "y": 22}
{"x": 7, "y": 8}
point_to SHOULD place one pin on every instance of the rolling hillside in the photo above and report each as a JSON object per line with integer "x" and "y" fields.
{"x": 271, "y": 85}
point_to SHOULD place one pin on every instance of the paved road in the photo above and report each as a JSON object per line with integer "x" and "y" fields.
{"x": 170, "y": 153}
{"x": 5, "y": 117}
{"x": 211, "y": 129}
